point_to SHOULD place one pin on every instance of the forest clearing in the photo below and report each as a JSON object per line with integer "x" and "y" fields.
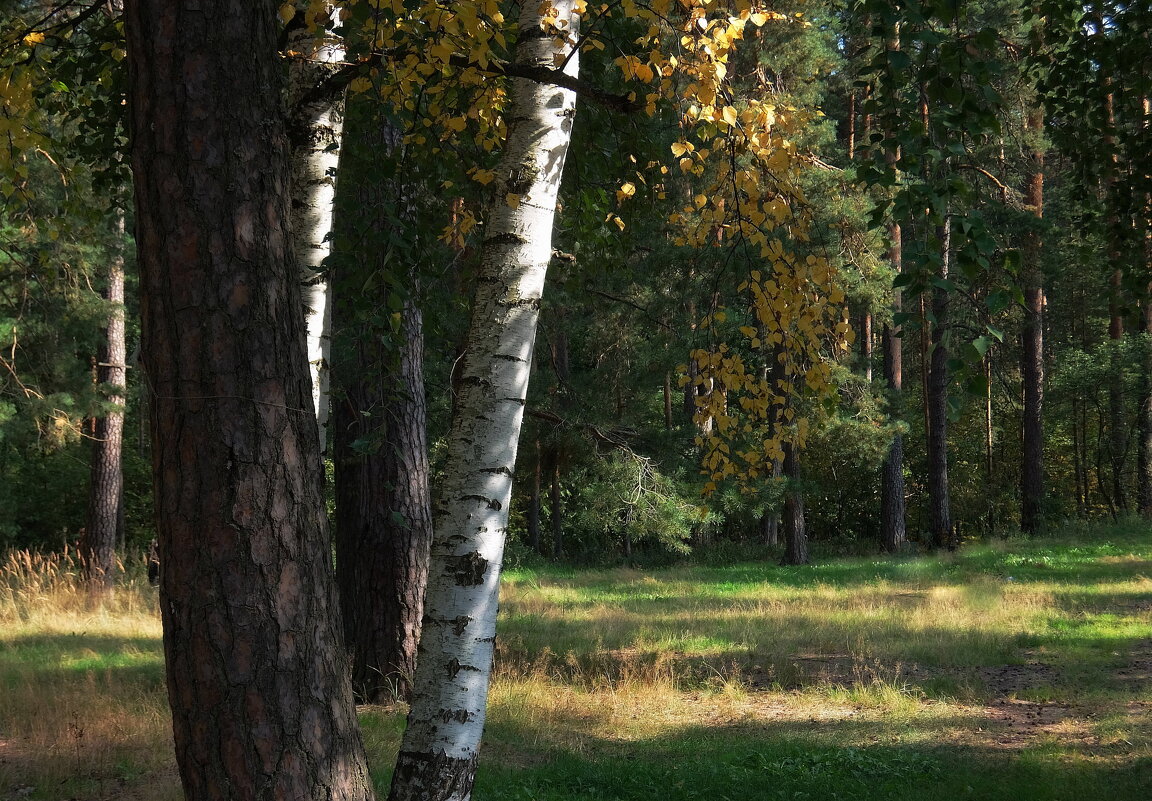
{"x": 788, "y": 363}
{"x": 1016, "y": 669}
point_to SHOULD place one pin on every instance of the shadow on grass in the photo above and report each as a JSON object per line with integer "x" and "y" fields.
{"x": 800, "y": 760}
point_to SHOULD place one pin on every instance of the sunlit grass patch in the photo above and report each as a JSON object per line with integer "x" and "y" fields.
{"x": 1015, "y": 670}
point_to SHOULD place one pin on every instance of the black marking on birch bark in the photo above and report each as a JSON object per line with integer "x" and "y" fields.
{"x": 433, "y": 775}
{"x": 468, "y": 570}
{"x": 459, "y": 624}
{"x": 455, "y": 666}
{"x": 505, "y": 239}
{"x": 528, "y": 33}
{"x": 502, "y": 470}
{"x": 491, "y": 503}
{"x": 486, "y": 639}
{"x": 509, "y": 358}
{"x": 458, "y": 715}
{"x": 520, "y": 181}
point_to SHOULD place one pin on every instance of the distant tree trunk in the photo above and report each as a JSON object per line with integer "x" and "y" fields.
{"x": 668, "y": 422}
{"x": 103, "y": 531}
{"x": 1032, "y": 349}
{"x": 261, "y": 701}
{"x": 866, "y": 344}
{"x": 316, "y": 126}
{"x": 534, "y": 500}
{"x": 1117, "y": 425}
{"x": 437, "y": 759}
{"x": 383, "y": 506}
{"x": 1144, "y": 447}
{"x": 795, "y": 528}
{"x": 556, "y": 506}
{"x": 939, "y": 507}
{"x": 770, "y": 527}
{"x": 689, "y": 404}
{"x": 893, "y": 531}
{"x": 383, "y": 514}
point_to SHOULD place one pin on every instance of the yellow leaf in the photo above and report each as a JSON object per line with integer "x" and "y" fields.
{"x": 33, "y": 38}
{"x": 361, "y": 84}
{"x": 513, "y": 200}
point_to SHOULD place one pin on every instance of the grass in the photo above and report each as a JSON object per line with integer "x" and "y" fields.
{"x": 1018, "y": 669}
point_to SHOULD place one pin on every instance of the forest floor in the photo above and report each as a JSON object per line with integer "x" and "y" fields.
{"x": 1012, "y": 670}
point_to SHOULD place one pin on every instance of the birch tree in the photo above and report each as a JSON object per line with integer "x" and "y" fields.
{"x": 316, "y": 124}
{"x": 438, "y": 755}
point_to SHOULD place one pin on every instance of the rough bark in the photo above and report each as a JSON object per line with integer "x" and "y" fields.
{"x": 1032, "y": 351}
{"x": 261, "y": 702}
{"x": 793, "y": 520}
{"x": 383, "y": 509}
{"x": 103, "y": 530}
{"x": 380, "y": 454}
{"x": 438, "y": 755}
{"x": 939, "y": 506}
{"x": 315, "y": 131}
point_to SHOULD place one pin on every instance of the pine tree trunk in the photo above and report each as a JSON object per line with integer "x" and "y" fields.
{"x": 437, "y": 759}
{"x": 534, "y": 500}
{"x": 1144, "y": 421}
{"x": 104, "y": 528}
{"x": 1032, "y": 355}
{"x": 556, "y": 505}
{"x": 383, "y": 506}
{"x": 1117, "y": 425}
{"x": 316, "y": 127}
{"x": 793, "y": 521}
{"x": 383, "y": 510}
{"x": 939, "y": 507}
{"x": 866, "y": 344}
{"x": 261, "y": 702}
{"x": 893, "y": 526}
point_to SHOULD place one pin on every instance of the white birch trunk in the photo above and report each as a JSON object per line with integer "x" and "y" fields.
{"x": 316, "y": 131}
{"x": 437, "y": 759}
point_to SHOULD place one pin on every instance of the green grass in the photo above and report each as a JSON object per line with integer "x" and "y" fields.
{"x": 1011, "y": 670}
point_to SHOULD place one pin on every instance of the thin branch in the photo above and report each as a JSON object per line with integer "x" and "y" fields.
{"x": 339, "y": 80}
{"x": 1006, "y": 192}
{"x": 593, "y": 431}
{"x": 626, "y": 302}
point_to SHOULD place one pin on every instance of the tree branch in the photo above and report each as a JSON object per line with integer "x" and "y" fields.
{"x": 1006, "y": 192}
{"x": 593, "y": 431}
{"x": 339, "y": 80}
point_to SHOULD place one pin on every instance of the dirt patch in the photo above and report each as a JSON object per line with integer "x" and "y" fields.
{"x": 1138, "y": 669}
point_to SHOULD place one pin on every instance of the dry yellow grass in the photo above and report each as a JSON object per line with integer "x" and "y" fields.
{"x": 85, "y": 712}
{"x": 606, "y": 663}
